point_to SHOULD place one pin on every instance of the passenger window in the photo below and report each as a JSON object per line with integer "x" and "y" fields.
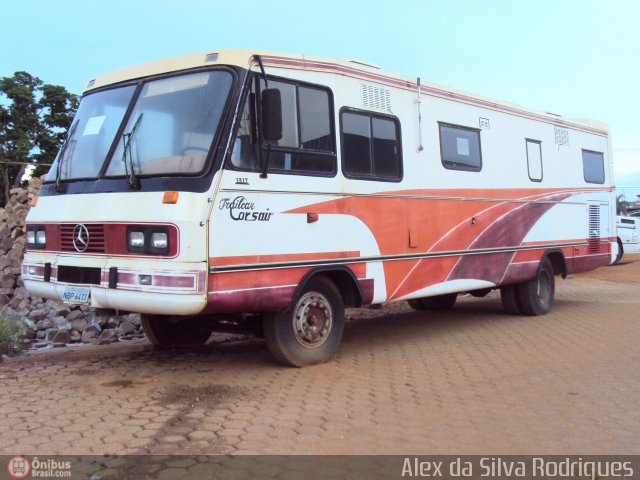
{"x": 534, "y": 160}
{"x": 289, "y": 114}
{"x": 370, "y": 146}
{"x": 593, "y": 166}
{"x": 315, "y": 115}
{"x": 460, "y": 148}
{"x": 307, "y": 145}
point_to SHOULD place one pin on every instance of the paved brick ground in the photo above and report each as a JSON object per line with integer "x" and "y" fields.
{"x": 472, "y": 380}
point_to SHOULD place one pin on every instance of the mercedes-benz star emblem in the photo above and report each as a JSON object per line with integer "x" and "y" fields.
{"x": 81, "y": 238}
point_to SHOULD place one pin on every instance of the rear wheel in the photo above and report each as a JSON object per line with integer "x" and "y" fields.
{"x": 311, "y": 331}
{"x": 172, "y": 331}
{"x": 510, "y": 300}
{"x": 439, "y": 302}
{"x": 536, "y": 297}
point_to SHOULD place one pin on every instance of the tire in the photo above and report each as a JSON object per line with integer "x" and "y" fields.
{"x": 620, "y": 253}
{"x": 537, "y": 296}
{"x": 439, "y": 302}
{"x": 510, "y": 300}
{"x": 310, "y": 331}
{"x": 170, "y": 331}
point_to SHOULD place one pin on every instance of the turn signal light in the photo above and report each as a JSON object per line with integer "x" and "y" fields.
{"x": 170, "y": 197}
{"x": 34, "y": 201}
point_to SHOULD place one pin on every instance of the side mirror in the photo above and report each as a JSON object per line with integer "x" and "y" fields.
{"x": 271, "y": 114}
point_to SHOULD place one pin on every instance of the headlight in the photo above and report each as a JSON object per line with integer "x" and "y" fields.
{"x": 159, "y": 240}
{"x": 136, "y": 240}
{"x": 36, "y": 236}
{"x": 41, "y": 237}
{"x": 150, "y": 240}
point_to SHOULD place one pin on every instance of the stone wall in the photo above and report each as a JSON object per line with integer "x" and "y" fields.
{"x": 47, "y": 322}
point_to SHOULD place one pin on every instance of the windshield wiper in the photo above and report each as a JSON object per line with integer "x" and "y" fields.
{"x": 63, "y": 151}
{"x": 132, "y": 180}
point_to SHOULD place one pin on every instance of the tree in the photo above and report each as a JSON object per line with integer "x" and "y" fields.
{"x": 34, "y": 118}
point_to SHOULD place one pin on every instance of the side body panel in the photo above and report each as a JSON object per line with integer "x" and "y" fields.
{"x": 436, "y": 231}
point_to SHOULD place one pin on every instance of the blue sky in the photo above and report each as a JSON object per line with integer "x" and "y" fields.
{"x": 578, "y": 58}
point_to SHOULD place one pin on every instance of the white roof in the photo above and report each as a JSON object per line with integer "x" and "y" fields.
{"x": 350, "y": 67}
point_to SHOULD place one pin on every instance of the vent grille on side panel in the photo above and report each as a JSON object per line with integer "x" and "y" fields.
{"x": 593, "y": 241}
{"x": 375, "y": 97}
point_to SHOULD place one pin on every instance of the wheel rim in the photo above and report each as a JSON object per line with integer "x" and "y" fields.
{"x": 312, "y": 320}
{"x": 544, "y": 287}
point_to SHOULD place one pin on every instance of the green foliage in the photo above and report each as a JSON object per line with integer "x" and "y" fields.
{"x": 11, "y": 335}
{"x": 34, "y": 118}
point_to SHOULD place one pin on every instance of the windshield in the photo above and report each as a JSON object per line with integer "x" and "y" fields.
{"x": 178, "y": 119}
{"x": 97, "y": 120}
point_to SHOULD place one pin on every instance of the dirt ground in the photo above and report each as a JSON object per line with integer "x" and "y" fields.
{"x": 468, "y": 381}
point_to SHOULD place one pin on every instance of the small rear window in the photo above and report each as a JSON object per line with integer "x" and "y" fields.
{"x": 534, "y": 160}
{"x": 460, "y": 148}
{"x": 593, "y": 165}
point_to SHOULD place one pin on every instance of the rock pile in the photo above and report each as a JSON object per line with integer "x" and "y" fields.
{"x": 47, "y": 322}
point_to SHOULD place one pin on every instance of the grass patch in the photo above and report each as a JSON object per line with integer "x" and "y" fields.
{"x": 11, "y": 335}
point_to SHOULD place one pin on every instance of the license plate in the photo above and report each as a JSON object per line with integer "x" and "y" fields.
{"x": 76, "y": 294}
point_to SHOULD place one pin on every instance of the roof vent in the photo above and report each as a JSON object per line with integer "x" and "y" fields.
{"x": 562, "y": 135}
{"x": 211, "y": 57}
{"x": 375, "y": 97}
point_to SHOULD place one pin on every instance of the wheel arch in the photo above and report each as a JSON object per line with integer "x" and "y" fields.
{"x": 558, "y": 262}
{"x": 344, "y": 280}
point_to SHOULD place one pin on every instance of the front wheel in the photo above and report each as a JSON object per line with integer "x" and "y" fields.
{"x": 310, "y": 332}
{"x": 171, "y": 331}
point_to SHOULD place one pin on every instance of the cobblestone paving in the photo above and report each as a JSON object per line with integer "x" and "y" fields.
{"x": 469, "y": 381}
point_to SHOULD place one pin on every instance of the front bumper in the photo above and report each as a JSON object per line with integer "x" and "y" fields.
{"x": 171, "y": 288}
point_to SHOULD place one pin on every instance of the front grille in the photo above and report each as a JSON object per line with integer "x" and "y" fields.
{"x": 96, "y": 241}
{"x": 82, "y": 275}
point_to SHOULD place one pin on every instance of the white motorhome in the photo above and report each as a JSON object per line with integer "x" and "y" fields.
{"x": 628, "y": 239}
{"x": 237, "y": 187}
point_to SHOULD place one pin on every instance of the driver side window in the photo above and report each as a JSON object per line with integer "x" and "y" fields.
{"x": 307, "y": 146}
{"x": 244, "y": 154}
